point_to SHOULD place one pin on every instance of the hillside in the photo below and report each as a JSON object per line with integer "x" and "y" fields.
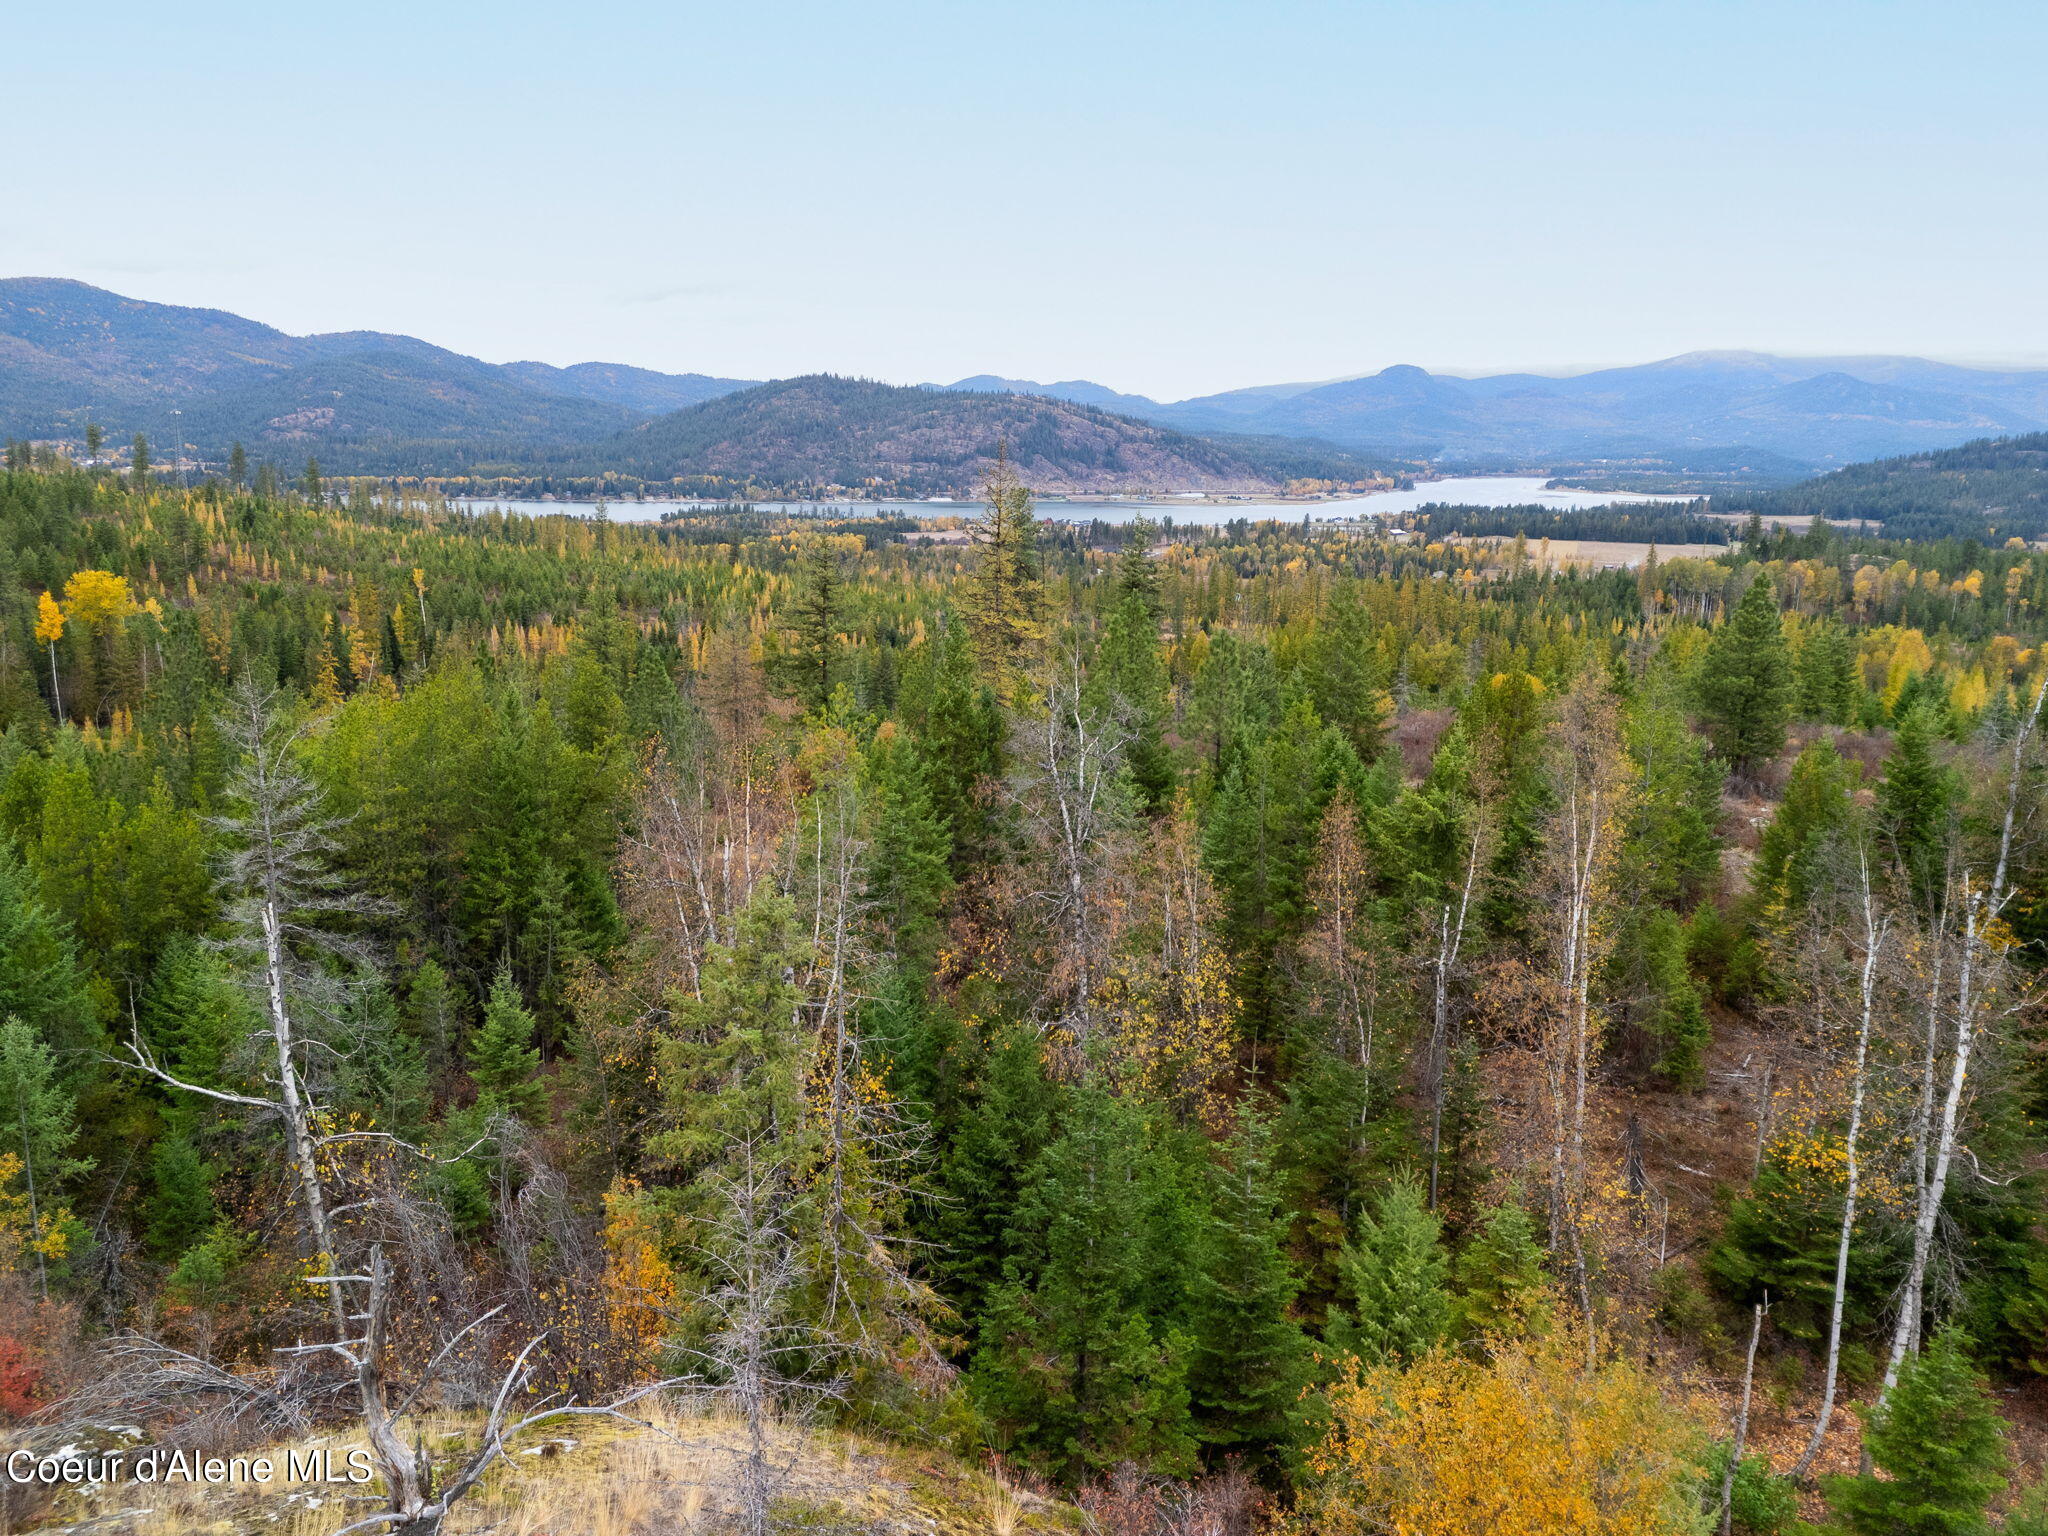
{"x": 72, "y": 353}
{"x": 1010, "y": 979}
{"x": 822, "y": 431}
{"x": 1991, "y": 489}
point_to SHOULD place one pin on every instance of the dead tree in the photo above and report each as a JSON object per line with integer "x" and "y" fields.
{"x": 1978, "y": 906}
{"x": 1875, "y": 930}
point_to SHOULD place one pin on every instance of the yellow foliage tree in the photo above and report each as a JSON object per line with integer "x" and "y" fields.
{"x": 95, "y": 598}
{"x": 1543, "y": 1437}
{"x": 639, "y": 1283}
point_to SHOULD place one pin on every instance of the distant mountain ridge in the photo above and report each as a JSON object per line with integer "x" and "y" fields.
{"x": 70, "y": 352}
{"x": 378, "y": 401}
{"x": 822, "y": 434}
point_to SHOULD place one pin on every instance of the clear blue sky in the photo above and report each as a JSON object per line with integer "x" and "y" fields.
{"x": 1170, "y": 196}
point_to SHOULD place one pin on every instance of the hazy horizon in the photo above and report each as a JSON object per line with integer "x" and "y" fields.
{"x": 1171, "y": 200}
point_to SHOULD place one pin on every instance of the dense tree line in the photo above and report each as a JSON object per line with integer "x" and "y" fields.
{"x": 1243, "y": 998}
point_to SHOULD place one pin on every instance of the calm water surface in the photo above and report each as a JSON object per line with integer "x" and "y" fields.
{"x": 1468, "y": 491}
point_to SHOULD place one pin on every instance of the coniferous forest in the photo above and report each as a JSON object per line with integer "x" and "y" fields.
{"x": 1263, "y": 1028}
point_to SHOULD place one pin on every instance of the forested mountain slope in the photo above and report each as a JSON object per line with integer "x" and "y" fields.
{"x": 72, "y": 354}
{"x": 863, "y": 437}
{"x": 1992, "y": 489}
{"x": 1252, "y": 1025}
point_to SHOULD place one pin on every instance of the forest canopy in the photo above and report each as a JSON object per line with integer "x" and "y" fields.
{"x": 1244, "y": 1014}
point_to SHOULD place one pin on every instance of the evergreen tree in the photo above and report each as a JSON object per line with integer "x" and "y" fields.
{"x": 38, "y": 1115}
{"x": 431, "y": 1013}
{"x": 1393, "y": 1278}
{"x": 1940, "y": 1442}
{"x": 194, "y": 1014}
{"x": 1345, "y": 680}
{"x": 812, "y": 628}
{"x": 238, "y": 466}
{"x": 1128, "y": 680}
{"x": 1816, "y": 806}
{"x": 138, "y": 461}
{"x": 502, "y": 1056}
{"x": 181, "y": 1205}
{"x": 1071, "y": 1368}
{"x": 1004, "y": 600}
{"x": 1250, "y": 1360}
{"x": 1828, "y": 684}
{"x": 40, "y": 982}
{"x": 1916, "y": 802}
{"x": 986, "y": 1161}
{"x": 908, "y": 849}
{"x": 309, "y": 482}
{"x": 1499, "y": 1276}
{"x": 1745, "y": 682}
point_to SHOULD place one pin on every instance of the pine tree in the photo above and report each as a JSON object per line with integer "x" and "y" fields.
{"x": 1941, "y": 1443}
{"x": 502, "y": 1056}
{"x": 238, "y": 466}
{"x": 309, "y": 482}
{"x": 1393, "y": 1279}
{"x": 138, "y": 461}
{"x": 1250, "y": 1360}
{"x": 1745, "y": 682}
{"x": 1499, "y": 1276}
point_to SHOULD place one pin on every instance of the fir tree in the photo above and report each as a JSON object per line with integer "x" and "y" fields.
{"x": 1916, "y": 802}
{"x": 1345, "y": 677}
{"x": 1499, "y": 1276}
{"x": 1940, "y": 1442}
{"x": 1250, "y": 1360}
{"x": 1827, "y": 678}
{"x": 812, "y": 627}
{"x": 1816, "y": 806}
{"x": 986, "y": 1161}
{"x": 1745, "y": 682}
{"x": 181, "y": 1205}
{"x": 430, "y": 1013}
{"x": 1070, "y": 1367}
{"x": 238, "y": 466}
{"x": 40, "y": 983}
{"x": 502, "y": 1056}
{"x": 1393, "y": 1279}
{"x": 1128, "y": 680}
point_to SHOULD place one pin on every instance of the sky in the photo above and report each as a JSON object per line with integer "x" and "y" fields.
{"x": 1168, "y": 196}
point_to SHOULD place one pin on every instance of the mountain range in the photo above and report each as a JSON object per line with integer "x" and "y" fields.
{"x": 1817, "y": 411}
{"x": 378, "y": 402}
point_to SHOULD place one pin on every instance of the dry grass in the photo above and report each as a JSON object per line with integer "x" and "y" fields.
{"x": 674, "y": 1476}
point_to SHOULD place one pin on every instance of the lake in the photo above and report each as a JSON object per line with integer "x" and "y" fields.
{"x": 1466, "y": 491}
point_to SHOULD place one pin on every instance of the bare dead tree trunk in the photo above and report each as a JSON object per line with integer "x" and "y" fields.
{"x": 1449, "y": 944}
{"x": 1873, "y": 942}
{"x": 1756, "y": 1329}
{"x": 1981, "y": 908}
